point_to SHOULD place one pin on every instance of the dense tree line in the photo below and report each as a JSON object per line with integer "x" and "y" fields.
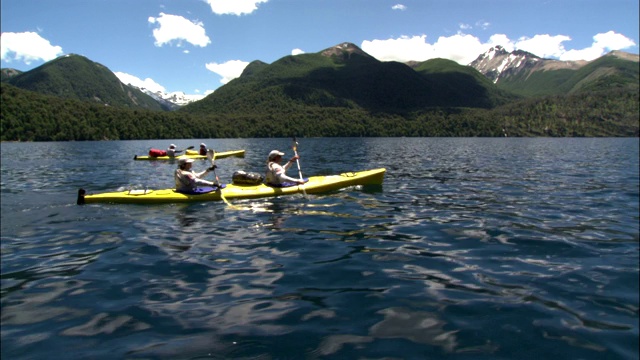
{"x": 28, "y": 116}
{"x": 610, "y": 113}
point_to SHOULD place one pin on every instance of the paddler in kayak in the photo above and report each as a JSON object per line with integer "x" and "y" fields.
{"x": 276, "y": 173}
{"x": 171, "y": 151}
{"x": 203, "y": 149}
{"x": 187, "y": 180}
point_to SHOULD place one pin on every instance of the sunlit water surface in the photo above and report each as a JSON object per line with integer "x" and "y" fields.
{"x": 472, "y": 248}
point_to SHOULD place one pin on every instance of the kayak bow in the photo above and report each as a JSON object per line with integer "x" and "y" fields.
{"x": 316, "y": 184}
{"x": 219, "y": 155}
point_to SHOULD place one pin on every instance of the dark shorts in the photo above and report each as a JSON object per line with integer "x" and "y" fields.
{"x": 203, "y": 190}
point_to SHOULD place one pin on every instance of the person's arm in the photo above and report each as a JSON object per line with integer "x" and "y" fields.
{"x": 205, "y": 172}
{"x": 290, "y": 162}
{"x": 282, "y": 176}
{"x": 201, "y": 174}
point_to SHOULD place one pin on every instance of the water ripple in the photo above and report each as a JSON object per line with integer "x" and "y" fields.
{"x": 474, "y": 248}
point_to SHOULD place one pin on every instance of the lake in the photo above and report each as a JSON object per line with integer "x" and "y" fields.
{"x": 474, "y": 248}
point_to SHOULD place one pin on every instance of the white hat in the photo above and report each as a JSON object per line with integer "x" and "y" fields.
{"x": 184, "y": 161}
{"x": 172, "y": 146}
{"x": 275, "y": 153}
{"x": 203, "y": 144}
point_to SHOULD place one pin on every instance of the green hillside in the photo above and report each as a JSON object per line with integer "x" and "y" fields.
{"x": 6, "y": 74}
{"x": 603, "y": 74}
{"x": 340, "y": 91}
{"x": 456, "y": 81}
{"x": 76, "y": 77}
{"x": 347, "y": 79}
{"x": 606, "y": 73}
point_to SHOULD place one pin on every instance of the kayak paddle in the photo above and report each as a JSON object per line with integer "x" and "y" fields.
{"x": 211, "y": 155}
{"x": 183, "y": 150}
{"x": 295, "y": 152}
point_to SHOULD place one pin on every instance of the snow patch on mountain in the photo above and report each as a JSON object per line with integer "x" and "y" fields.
{"x": 497, "y": 64}
{"x": 172, "y": 100}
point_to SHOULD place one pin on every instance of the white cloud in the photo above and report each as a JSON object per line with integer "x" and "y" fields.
{"x": 484, "y": 25}
{"x": 502, "y": 40}
{"x": 602, "y": 43}
{"x": 399, "y": 7}
{"x": 460, "y": 48}
{"x": 147, "y": 83}
{"x": 174, "y": 27}
{"x": 402, "y": 49}
{"x": 228, "y": 70}
{"x": 545, "y": 45}
{"x": 464, "y": 48}
{"x": 27, "y": 47}
{"x": 589, "y": 54}
{"x": 234, "y": 7}
{"x": 297, "y": 52}
{"x": 612, "y": 41}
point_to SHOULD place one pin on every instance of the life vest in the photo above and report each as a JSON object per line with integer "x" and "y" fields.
{"x": 271, "y": 175}
{"x": 184, "y": 180}
{"x": 157, "y": 152}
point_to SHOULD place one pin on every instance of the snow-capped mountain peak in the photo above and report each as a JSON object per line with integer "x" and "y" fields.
{"x": 173, "y": 99}
{"x": 497, "y": 64}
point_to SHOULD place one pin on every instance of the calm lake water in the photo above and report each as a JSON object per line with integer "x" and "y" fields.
{"x": 472, "y": 249}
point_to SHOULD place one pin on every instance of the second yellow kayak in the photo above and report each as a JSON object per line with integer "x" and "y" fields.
{"x": 219, "y": 155}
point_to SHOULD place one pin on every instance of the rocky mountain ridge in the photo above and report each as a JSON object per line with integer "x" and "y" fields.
{"x": 497, "y": 64}
{"x": 516, "y": 71}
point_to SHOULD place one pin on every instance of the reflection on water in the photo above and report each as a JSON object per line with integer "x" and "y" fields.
{"x": 472, "y": 247}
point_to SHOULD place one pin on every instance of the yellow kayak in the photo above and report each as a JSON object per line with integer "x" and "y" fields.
{"x": 316, "y": 184}
{"x": 191, "y": 155}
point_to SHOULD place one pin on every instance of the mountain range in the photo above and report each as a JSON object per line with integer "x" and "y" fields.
{"x": 526, "y": 74}
{"x": 168, "y": 101}
{"x": 346, "y": 76}
{"x": 171, "y": 101}
{"x": 76, "y": 77}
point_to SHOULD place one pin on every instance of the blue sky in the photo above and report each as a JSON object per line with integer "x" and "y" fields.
{"x": 196, "y": 46}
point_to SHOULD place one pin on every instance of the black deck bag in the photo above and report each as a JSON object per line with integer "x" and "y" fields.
{"x": 246, "y": 178}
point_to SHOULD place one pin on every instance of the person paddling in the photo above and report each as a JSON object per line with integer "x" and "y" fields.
{"x": 188, "y": 180}
{"x": 203, "y": 149}
{"x": 276, "y": 173}
{"x": 171, "y": 151}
